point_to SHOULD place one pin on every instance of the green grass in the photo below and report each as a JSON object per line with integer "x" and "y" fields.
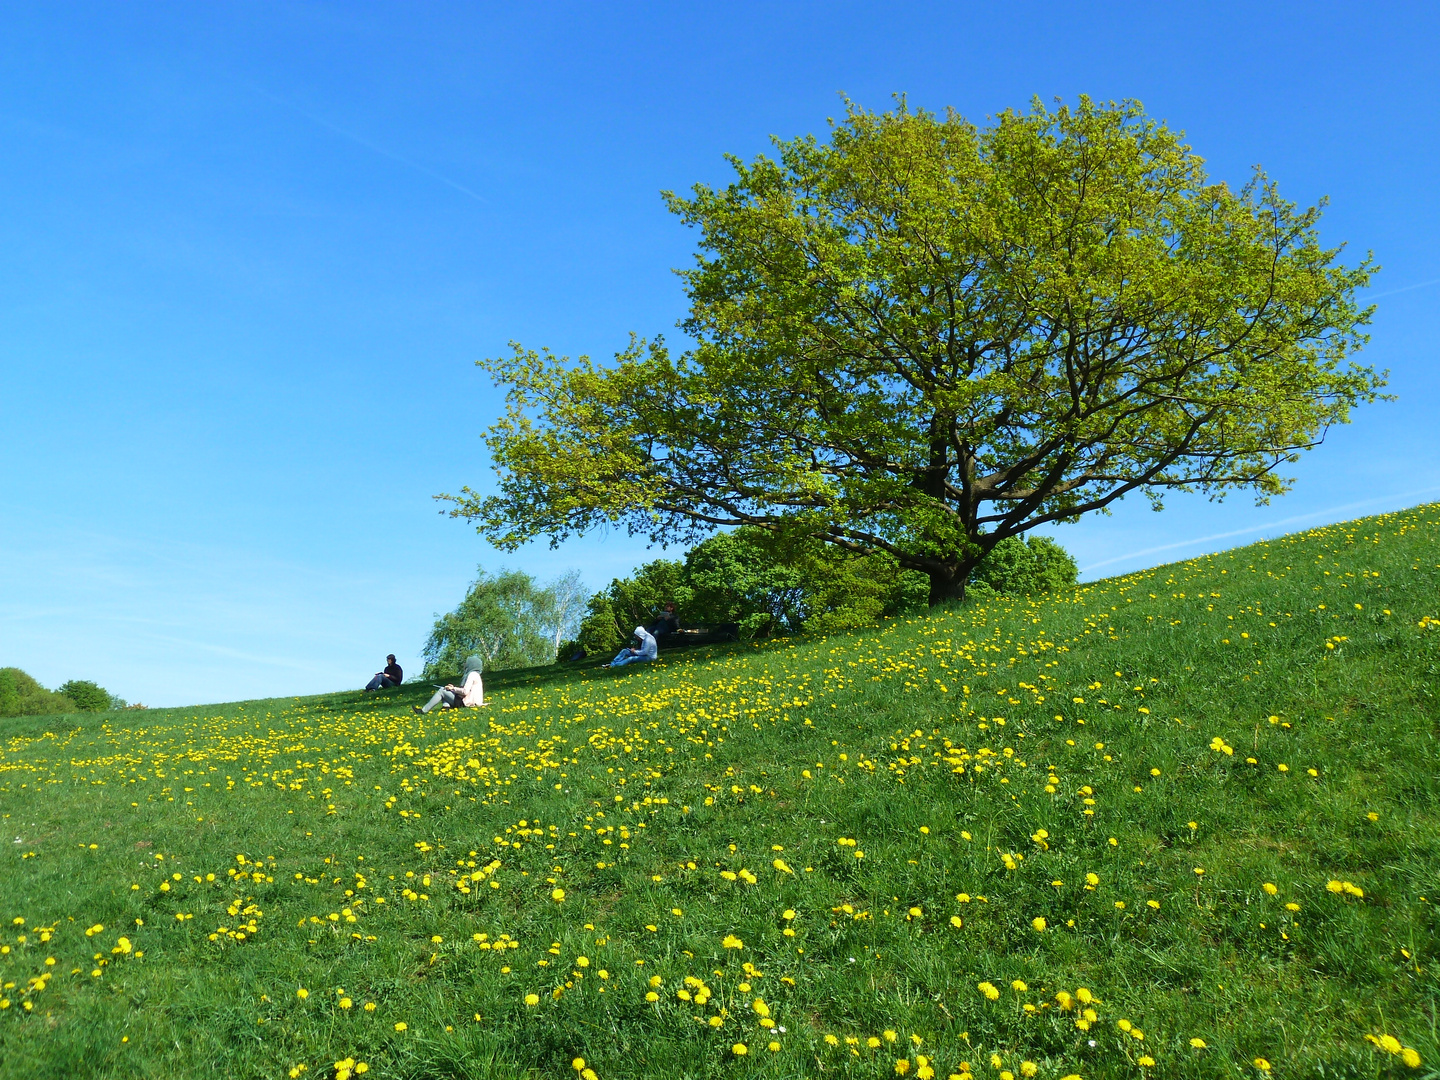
{"x": 930, "y": 742}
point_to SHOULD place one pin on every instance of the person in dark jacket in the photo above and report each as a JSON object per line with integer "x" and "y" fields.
{"x": 391, "y": 676}
{"x": 667, "y": 622}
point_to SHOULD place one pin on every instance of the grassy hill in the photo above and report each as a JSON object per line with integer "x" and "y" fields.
{"x": 1176, "y": 824}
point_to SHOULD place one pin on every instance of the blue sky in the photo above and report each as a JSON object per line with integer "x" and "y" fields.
{"x": 250, "y": 252}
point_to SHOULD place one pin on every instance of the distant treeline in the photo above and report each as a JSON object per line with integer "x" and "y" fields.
{"x": 768, "y": 584}
{"x": 763, "y": 583}
{"x": 22, "y": 695}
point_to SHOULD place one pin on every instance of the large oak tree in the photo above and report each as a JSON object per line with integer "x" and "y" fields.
{"x": 923, "y": 337}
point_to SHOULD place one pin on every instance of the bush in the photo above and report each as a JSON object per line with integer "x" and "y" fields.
{"x": 1017, "y": 567}
{"x": 599, "y": 632}
{"x": 774, "y": 584}
{"x": 21, "y": 695}
{"x": 769, "y": 584}
{"x": 89, "y": 697}
{"x": 764, "y": 583}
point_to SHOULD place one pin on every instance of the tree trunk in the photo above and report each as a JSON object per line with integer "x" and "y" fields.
{"x": 947, "y": 582}
{"x": 948, "y": 578}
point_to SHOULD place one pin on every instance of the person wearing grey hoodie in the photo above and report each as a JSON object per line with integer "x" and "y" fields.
{"x": 644, "y": 649}
{"x": 469, "y": 694}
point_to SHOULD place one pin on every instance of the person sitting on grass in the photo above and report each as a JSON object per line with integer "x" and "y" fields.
{"x": 667, "y": 622}
{"x": 391, "y": 676}
{"x": 470, "y": 693}
{"x": 643, "y": 649}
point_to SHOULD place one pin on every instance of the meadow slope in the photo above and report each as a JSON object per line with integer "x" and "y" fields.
{"x": 1177, "y": 824}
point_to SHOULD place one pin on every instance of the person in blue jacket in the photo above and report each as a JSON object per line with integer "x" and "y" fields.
{"x": 642, "y": 649}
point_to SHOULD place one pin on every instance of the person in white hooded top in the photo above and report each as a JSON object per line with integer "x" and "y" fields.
{"x": 643, "y": 650}
{"x": 470, "y": 694}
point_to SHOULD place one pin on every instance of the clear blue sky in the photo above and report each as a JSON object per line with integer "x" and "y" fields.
{"x": 248, "y": 253}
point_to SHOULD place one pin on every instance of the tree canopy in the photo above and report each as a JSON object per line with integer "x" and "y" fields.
{"x": 508, "y": 620}
{"x": 923, "y": 337}
{"x": 89, "y": 696}
{"x": 22, "y": 695}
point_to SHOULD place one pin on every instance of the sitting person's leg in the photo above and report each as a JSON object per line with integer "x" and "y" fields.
{"x": 435, "y": 699}
{"x": 375, "y": 683}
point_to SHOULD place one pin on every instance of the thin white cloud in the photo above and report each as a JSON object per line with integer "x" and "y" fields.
{"x": 1267, "y": 527}
{"x": 239, "y": 654}
{"x": 1407, "y": 288}
{"x": 376, "y": 148}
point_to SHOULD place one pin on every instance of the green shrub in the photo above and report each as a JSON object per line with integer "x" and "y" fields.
{"x": 599, "y": 632}
{"x": 768, "y": 584}
{"x": 88, "y": 696}
{"x": 21, "y": 695}
{"x": 1016, "y": 567}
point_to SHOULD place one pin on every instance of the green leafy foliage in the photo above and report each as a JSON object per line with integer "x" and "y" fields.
{"x": 600, "y": 630}
{"x": 507, "y": 619}
{"x": 21, "y": 695}
{"x": 923, "y": 338}
{"x": 1025, "y": 566}
{"x": 90, "y": 697}
{"x": 764, "y": 583}
{"x": 769, "y": 584}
